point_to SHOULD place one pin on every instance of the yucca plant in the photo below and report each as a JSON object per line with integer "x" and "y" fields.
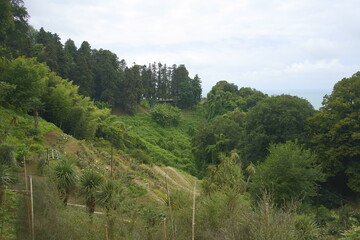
{"x": 109, "y": 195}
{"x": 89, "y": 183}
{"x": 6, "y": 178}
{"x": 65, "y": 177}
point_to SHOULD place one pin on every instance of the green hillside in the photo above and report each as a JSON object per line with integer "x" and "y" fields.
{"x": 92, "y": 148}
{"x": 168, "y": 146}
{"x": 143, "y": 186}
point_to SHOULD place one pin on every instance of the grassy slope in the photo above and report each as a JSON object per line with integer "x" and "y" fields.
{"x": 145, "y": 186}
{"x": 148, "y": 181}
{"x": 165, "y": 145}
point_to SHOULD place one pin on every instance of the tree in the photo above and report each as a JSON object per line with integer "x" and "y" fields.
{"x": 29, "y": 77}
{"x": 148, "y": 84}
{"x": 221, "y": 99}
{"x": 65, "y": 178}
{"x": 162, "y": 82}
{"x": 196, "y": 88}
{"x": 225, "y": 97}
{"x": 106, "y": 76}
{"x": 35, "y": 105}
{"x": 276, "y": 119}
{"x": 6, "y": 18}
{"x": 225, "y": 177}
{"x": 166, "y": 115}
{"x": 6, "y": 89}
{"x": 89, "y": 183}
{"x": 15, "y": 39}
{"x": 251, "y": 97}
{"x": 289, "y": 172}
{"x": 224, "y": 86}
{"x": 83, "y": 75}
{"x": 335, "y": 133}
{"x": 58, "y": 102}
{"x": 69, "y": 59}
{"x": 184, "y": 90}
{"x": 219, "y": 136}
{"x": 52, "y": 53}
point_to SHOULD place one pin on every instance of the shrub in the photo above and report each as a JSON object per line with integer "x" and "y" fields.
{"x": 141, "y": 156}
{"x": 289, "y": 172}
{"x": 34, "y": 132}
{"x": 7, "y": 154}
{"x": 145, "y": 103}
{"x": 166, "y": 115}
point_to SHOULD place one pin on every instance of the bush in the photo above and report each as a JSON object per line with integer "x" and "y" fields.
{"x": 141, "y": 156}
{"x": 32, "y": 132}
{"x": 7, "y": 154}
{"x": 145, "y": 103}
{"x": 166, "y": 115}
{"x": 289, "y": 172}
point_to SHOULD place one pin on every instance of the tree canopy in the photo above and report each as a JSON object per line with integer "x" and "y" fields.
{"x": 225, "y": 97}
{"x": 336, "y": 133}
{"x": 276, "y": 119}
{"x": 288, "y": 173}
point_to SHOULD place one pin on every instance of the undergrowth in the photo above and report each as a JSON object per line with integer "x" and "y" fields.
{"x": 169, "y": 145}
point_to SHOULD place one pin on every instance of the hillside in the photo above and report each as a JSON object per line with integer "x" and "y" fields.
{"x": 143, "y": 184}
{"x": 87, "y": 153}
{"x": 168, "y": 146}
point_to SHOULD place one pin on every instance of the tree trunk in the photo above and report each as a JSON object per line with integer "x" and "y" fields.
{"x": 36, "y": 115}
{"x": 91, "y": 206}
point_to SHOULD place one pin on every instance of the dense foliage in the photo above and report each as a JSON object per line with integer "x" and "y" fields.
{"x": 225, "y": 97}
{"x": 103, "y": 77}
{"x": 336, "y": 134}
{"x": 166, "y": 115}
{"x": 276, "y": 119}
{"x": 260, "y": 180}
{"x": 219, "y": 136}
{"x": 289, "y": 172}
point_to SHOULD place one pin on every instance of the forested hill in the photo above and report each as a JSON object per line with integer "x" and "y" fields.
{"x": 268, "y": 167}
{"x": 99, "y": 73}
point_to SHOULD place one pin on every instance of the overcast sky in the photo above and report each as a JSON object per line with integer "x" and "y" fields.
{"x": 299, "y": 47}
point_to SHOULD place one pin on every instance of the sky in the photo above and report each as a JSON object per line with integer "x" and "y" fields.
{"x": 297, "y": 47}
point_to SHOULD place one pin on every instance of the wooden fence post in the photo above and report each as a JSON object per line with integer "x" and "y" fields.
{"x": 193, "y": 212}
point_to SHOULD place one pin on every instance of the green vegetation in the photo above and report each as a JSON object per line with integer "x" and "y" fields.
{"x": 163, "y": 145}
{"x": 65, "y": 178}
{"x": 336, "y": 134}
{"x": 166, "y": 115}
{"x": 270, "y": 167}
{"x": 89, "y": 182}
{"x": 288, "y": 173}
{"x": 276, "y": 119}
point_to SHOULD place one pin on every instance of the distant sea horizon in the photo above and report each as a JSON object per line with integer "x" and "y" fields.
{"x": 315, "y": 97}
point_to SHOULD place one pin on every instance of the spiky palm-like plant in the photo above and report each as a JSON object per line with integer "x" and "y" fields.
{"x": 89, "y": 183}
{"x": 109, "y": 195}
{"x": 6, "y": 178}
{"x": 66, "y": 178}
